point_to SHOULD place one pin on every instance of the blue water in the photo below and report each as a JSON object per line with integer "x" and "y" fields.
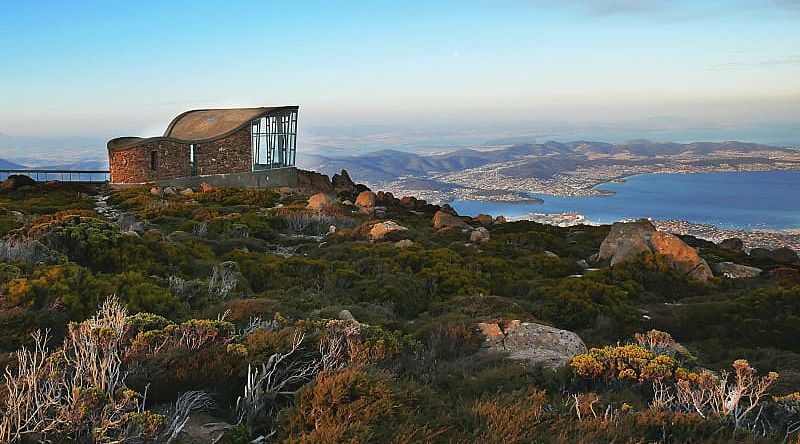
{"x": 743, "y": 200}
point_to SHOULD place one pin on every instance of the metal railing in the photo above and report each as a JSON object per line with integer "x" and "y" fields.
{"x": 86, "y": 176}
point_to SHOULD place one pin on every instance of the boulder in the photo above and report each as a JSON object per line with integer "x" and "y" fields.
{"x": 186, "y": 192}
{"x": 732, "y": 244}
{"x": 533, "y": 343}
{"x": 736, "y": 271}
{"x": 484, "y": 220}
{"x": 550, "y": 254}
{"x": 403, "y": 243}
{"x": 155, "y": 191}
{"x": 385, "y": 197}
{"x": 783, "y": 255}
{"x": 381, "y": 229}
{"x": 500, "y": 219}
{"x": 446, "y": 208}
{"x": 446, "y": 220}
{"x": 366, "y": 201}
{"x": 629, "y": 240}
{"x": 18, "y": 217}
{"x": 788, "y": 277}
{"x": 345, "y": 315}
{"x": 408, "y": 201}
{"x": 479, "y": 235}
{"x": 206, "y": 187}
{"x": 319, "y": 201}
{"x": 168, "y": 191}
{"x": 626, "y": 241}
{"x": 16, "y": 181}
{"x": 682, "y": 257}
{"x": 314, "y": 181}
{"x": 342, "y": 183}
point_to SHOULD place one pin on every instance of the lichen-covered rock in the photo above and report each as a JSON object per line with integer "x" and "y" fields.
{"x": 311, "y": 180}
{"x": 16, "y": 181}
{"x": 732, "y": 244}
{"x": 345, "y": 315}
{"x": 736, "y": 271}
{"x": 342, "y": 183}
{"x": 319, "y": 201}
{"x": 626, "y": 241}
{"x": 479, "y": 235}
{"x": 381, "y": 229}
{"x": 484, "y": 220}
{"x": 533, "y": 343}
{"x": 366, "y": 201}
{"x": 783, "y": 255}
{"x": 629, "y": 240}
{"x": 446, "y": 220}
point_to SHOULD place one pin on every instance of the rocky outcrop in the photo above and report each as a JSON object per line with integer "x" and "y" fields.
{"x": 732, "y": 244}
{"x": 15, "y": 182}
{"x": 479, "y": 235}
{"x": 783, "y": 255}
{"x": 366, "y": 201}
{"x": 446, "y": 208}
{"x": 319, "y": 201}
{"x": 626, "y": 241}
{"x": 484, "y": 220}
{"x": 500, "y": 219}
{"x": 312, "y": 180}
{"x": 342, "y": 183}
{"x": 533, "y": 343}
{"x": 345, "y": 315}
{"x": 446, "y": 220}
{"x": 736, "y": 271}
{"x": 629, "y": 240}
{"x": 381, "y": 229}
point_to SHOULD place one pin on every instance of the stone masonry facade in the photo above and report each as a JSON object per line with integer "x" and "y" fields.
{"x": 163, "y": 158}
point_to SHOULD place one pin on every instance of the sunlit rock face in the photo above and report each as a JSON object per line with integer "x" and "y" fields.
{"x": 629, "y": 240}
{"x": 533, "y": 343}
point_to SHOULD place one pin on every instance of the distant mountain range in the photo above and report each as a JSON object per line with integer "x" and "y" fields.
{"x": 541, "y": 160}
{"x": 85, "y": 165}
{"x": 8, "y": 165}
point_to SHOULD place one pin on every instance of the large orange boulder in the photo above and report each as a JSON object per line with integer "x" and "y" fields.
{"x": 319, "y": 201}
{"x": 366, "y": 201}
{"x": 683, "y": 257}
{"x": 447, "y": 220}
{"x": 381, "y": 229}
{"x": 630, "y": 240}
{"x": 484, "y": 219}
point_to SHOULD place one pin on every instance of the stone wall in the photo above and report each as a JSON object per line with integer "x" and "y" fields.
{"x": 228, "y": 155}
{"x": 231, "y": 154}
{"x": 133, "y": 164}
{"x": 282, "y": 177}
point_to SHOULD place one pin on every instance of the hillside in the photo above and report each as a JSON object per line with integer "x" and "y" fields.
{"x": 291, "y": 315}
{"x": 548, "y": 168}
{"x": 5, "y": 164}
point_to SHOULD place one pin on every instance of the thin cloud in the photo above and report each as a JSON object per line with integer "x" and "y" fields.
{"x": 793, "y": 60}
{"x": 675, "y": 10}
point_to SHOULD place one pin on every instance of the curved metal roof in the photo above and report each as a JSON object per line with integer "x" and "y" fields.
{"x": 203, "y": 125}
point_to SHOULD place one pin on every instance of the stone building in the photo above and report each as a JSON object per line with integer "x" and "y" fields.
{"x": 248, "y": 147}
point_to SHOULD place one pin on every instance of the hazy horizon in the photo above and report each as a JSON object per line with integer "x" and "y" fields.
{"x": 412, "y": 75}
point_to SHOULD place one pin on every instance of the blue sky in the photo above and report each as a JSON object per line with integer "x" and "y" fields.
{"x": 127, "y": 67}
